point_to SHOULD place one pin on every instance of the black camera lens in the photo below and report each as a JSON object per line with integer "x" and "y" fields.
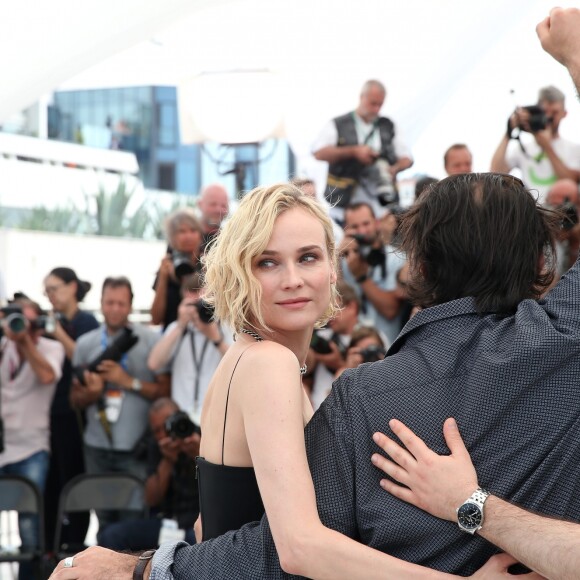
{"x": 180, "y": 426}
{"x": 205, "y": 311}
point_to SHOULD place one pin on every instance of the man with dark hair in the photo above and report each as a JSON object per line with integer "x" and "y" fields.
{"x": 545, "y": 158}
{"x": 117, "y": 397}
{"x": 365, "y": 152}
{"x": 457, "y": 159}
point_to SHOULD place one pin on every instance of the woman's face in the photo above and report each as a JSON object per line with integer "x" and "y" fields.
{"x": 60, "y": 294}
{"x": 295, "y": 273}
{"x": 186, "y": 239}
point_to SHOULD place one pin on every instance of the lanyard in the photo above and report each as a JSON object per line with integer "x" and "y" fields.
{"x": 197, "y": 364}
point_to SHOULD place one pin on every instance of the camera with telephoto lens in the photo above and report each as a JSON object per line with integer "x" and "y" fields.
{"x": 372, "y": 353}
{"x": 180, "y": 426}
{"x": 182, "y": 264}
{"x": 386, "y": 187}
{"x": 16, "y": 322}
{"x": 372, "y": 256}
{"x": 537, "y": 121}
{"x": 115, "y": 351}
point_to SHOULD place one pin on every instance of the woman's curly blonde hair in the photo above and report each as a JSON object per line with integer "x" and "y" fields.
{"x": 230, "y": 284}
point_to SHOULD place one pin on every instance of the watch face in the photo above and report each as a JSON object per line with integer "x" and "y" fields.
{"x": 469, "y": 516}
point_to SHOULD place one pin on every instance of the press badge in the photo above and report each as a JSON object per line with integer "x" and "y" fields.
{"x": 170, "y": 532}
{"x": 113, "y": 403}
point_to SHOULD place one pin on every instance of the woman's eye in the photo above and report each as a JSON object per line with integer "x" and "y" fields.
{"x": 309, "y": 258}
{"x": 266, "y": 264}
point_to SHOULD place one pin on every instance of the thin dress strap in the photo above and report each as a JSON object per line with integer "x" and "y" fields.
{"x": 227, "y": 401}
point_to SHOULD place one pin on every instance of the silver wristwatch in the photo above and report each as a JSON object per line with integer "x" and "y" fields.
{"x": 470, "y": 512}
{"x": 136, "y": 385}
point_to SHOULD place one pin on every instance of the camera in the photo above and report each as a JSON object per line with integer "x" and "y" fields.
{"x": 372, "y": 256}
{"x": 205, "y": 311}
{"x": 538, "y": 120}
{"x": 569, "y": 215}
{"x": 372, "y": 353}
{"x": 115, "y": 351}
{"x": 182, "y": 264}
{"x": 180, "y": 426}
{"x": 387, "y": 193}
{"x": 320, "y": 345}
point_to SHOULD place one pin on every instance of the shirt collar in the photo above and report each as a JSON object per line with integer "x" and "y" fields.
{"x": 459, "y": 307}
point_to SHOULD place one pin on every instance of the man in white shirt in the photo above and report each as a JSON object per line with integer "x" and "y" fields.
{"x": 546, "y": 158}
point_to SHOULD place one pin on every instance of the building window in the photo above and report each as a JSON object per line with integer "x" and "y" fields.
{"x": 166, "y": 176}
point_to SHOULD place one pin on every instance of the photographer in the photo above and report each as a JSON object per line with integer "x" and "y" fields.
{"x": 30, "y": 367}
{"x": 118, "y": 389}
{"x": 184, "y": 235}
{"x": 170, "y": 488}
{"x": 370, "y": 264}
{"x": 328, "y": 347}
{"x": 366, "y": 345}
{"x": 365, "y": 153}
{"x": 65, "y": 291}
{"x": 191, "y": 348}
{"x": 547, "y": 157}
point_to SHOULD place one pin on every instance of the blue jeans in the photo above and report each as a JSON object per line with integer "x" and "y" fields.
{"x": 35, "y": 469}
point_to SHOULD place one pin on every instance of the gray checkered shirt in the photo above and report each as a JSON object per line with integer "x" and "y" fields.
{"x": 512, "y": 385}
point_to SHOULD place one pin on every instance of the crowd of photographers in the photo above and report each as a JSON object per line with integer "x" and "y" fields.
{"x": 82, "y": 397}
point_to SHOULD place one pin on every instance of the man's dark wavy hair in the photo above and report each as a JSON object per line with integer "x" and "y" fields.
{"x": 481, "y": 235}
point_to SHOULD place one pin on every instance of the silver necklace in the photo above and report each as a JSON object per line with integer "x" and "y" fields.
{"x": 256, "y": 336}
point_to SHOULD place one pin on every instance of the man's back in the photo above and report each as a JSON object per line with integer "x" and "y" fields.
{"x": 511, "y": 384}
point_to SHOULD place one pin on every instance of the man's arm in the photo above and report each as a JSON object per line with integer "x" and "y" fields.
{"x": 559, "y": 37}
{"x": 499, "y": 163}
{"x": 440, "y": 484}
{"x": 386, "y": 302}
{"x": 333, "y": 154}
{"x": 46, "y": 372}
{"x": 162, "y": 353}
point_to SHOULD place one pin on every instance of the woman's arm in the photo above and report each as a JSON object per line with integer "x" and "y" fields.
{"x": 440, "y": 484}
{"x": 272, "y": 407}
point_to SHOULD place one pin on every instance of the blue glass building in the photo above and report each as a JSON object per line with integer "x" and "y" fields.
{"x": 144, "y": 120}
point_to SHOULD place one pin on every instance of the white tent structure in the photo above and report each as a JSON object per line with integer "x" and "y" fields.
{"x": 449, "y": 65}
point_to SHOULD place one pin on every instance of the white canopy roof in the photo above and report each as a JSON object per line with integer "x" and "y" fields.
{"x": 448, "y": 65}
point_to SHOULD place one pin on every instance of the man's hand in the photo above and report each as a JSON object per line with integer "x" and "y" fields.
{"x": 365, "y": 154}
{"x": 97, "y": 564}
{"x": 171, "y": 448}
{"x": 95, "y": 384}
{"x": 543, "y": 138}
{"x": 438, "y": 484}
{"x": 113, "y": 372}
{"x": 198, "y": 530}
{"x": 349, "y": 250}
{"x": 497, "y": 567}
{"x": 332, "y": 360}
{"x": 166, "y": 269}
{"x": 185, "y": 312}
{"x": 559, "y": 35}
{"x": 190, "y": 445}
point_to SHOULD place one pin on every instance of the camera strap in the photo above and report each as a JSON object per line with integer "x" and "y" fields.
{"x": 197, "y": 365}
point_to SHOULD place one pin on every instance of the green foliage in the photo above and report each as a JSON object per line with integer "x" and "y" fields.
{"x": 110, "y": 217}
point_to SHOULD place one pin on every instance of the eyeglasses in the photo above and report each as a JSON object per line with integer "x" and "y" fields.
{"x": 49, "y": 290}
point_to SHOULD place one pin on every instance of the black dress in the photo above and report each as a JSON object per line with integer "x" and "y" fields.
{"x": 229, "y": 496}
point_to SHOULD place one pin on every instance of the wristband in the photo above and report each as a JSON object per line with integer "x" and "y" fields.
{"x": 142, "y": 564}
{"x": 362, "y": 278}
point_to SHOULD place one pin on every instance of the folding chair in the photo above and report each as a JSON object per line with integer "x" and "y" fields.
{"x": 103, "y": 491}
{"x": 19, "y": 494}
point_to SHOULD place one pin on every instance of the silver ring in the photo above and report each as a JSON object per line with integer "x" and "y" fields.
{"x": 68, "y": 562}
